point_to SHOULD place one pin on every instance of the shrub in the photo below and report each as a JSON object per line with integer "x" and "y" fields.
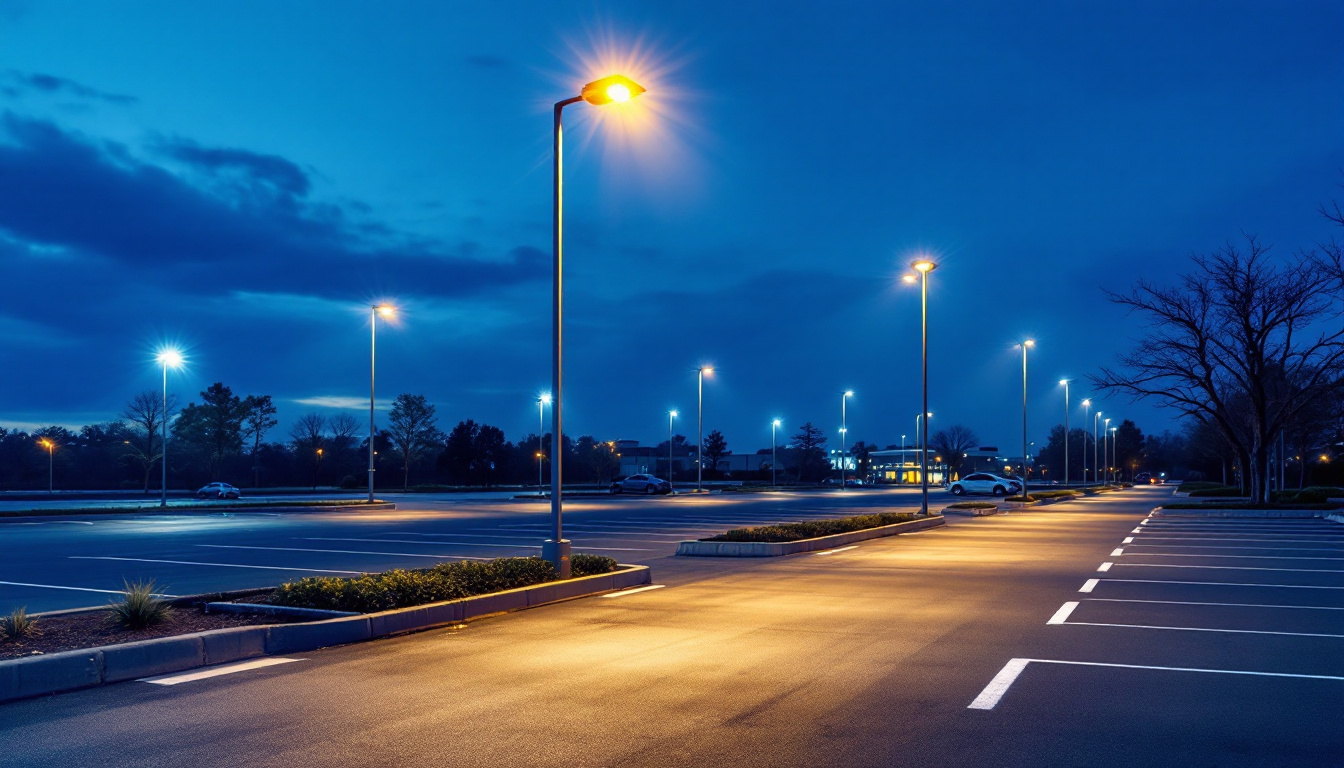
{"x": 1200, "y": 485}
{"x": 140, "y": 608}
{"x": 590, "y": 565}
{"x": 1054, "y": 494}
{"x": 1219, "y": 492}
{"x": 972, "y": 505}
{"x": 811, "y": 529}
{"x": 1318, "y": 494}
{"x": 18, "y": 624}
{"x": 401, "y": 588}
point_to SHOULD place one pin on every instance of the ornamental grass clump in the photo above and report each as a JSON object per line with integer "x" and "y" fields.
{"x": 812, "y": 529}
{"x": 141, "y": 607}
{"x": 402, "y": 588}
{"x": 18, "y": 624}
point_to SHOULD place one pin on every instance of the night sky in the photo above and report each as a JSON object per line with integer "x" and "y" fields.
{"x": 244, "y": 179}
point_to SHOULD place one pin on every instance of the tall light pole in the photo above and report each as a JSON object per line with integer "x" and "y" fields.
{"x": 1026, "y": 344}
{"x": 608, "y": 90}
{"x": 670, "y": 416}
{"x": 1105, "y": 431}
{"x": 168, "y": 358}
{"x": 700, "y": 425}
{"x": 922, "y": 440}
{"x": 51, "y": 462}
{"x": 543, "y": 400}
{"x": 924, "y": 267}
{"x": 1096, "y": 465}
{"x": 774, "y": 443}
{"x": 1065, "y": 383}
{"x": 901, "y": 476}
{"x": 844, "y": 436}
{"x": 388, "y": 311}
{"x": 1114, "y": 460}
{"x": 1087, "y": 405}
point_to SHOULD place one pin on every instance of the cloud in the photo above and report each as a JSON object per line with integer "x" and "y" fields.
{"x": 36, "y": 82}
{"x": 256, "y": 226}
{"x": 341, "y": 402}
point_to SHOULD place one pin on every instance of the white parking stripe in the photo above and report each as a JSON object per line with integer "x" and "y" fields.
{"x": 70, "y": 589}
{"x": 345, "y": 552}
{"x": 216, "y": 671}
{"x": 220, "y": 565}
{"x": 838, "y": 549}
{"x": 1255, "y": 548}
{"x": 1062, "y": 613}
{"x": 1228, "y": 605}
{"x": 1117, "y": 552}
{"x": 1105, "y": 567}
{"x": 1201, "y": 629}
{"x": 997, "y": 687}
{"x": 1220, "y": 584}
{"x": 1232, "y": 568}
{"x": 1128, "y": 540}
{"x": 1234, "y": 557}
{"x": 1090, "y": 585}
{"x": 637, "y": 590}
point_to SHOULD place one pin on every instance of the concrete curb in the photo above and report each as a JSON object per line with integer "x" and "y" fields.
{"x": 313, "y": 614}
{"x": 971, "y": 511}
{"x": 72, "y": 670}
{"x": 776, "y": 549}
{"x": 1335, "y": 518}
{"x": 1021, "y": 504}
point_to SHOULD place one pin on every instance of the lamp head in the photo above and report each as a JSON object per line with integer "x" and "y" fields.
{"x": 1087, "y": 401}
{"x": 777, "y": 422}
{"x": 849, "y": 393}
{"x": 673, "y": 414}
{"x": 706, "y": 369}
{"x": 1063, "y": 382}
{"x": 910, "y": 279}
{"x": 1029, "y": 343}
{"x": 386, "y": 310}
{"x": 613, "y": 88}
{"x": 545, "y": 398}
{"x": 169, "y": 358}
{"x": 924, "y": 265}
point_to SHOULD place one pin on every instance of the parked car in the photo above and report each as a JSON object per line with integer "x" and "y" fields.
{"x": 986, "y": 483}
{"x": 218, "y": 491}
{"x": 1143, "y": 478}
{"x": 641, "y": 484}
{"x": 850, "y": 482}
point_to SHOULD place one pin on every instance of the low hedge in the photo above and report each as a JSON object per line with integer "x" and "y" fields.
{"x": 972, "y": 505}
{"x": 402, "y": 588}
{"x": 1316, "y": 494}
{"x": 1019, "y": 499}
{"x": 1054, "y": 494}
{"x": 1198, "y": 485}
{"x": 1220, "y": 492}
{"x": 812, "y": 529}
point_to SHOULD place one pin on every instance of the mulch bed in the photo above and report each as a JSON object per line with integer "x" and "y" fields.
{"x": 89, "y": 630}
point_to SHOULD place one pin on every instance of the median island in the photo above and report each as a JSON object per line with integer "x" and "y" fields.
{"x": 806, "y": 536}
{"x": 811, "y": 529}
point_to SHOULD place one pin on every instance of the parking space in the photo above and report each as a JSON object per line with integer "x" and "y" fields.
{"x": 1183, "y": 616}
{"x": 83, "y": 561}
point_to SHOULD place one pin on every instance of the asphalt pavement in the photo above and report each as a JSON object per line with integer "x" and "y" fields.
{"x": 1005, "y": 640}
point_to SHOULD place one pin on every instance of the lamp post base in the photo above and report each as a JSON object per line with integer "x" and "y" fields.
{"x": 558, "y": 553}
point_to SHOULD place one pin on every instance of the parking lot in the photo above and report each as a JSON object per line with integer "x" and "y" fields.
{"x": 1229, "y": 627}
{"x": 58, "y": 562}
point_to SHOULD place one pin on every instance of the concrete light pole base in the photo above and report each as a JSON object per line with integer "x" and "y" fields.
{"x": 558, "y": 553}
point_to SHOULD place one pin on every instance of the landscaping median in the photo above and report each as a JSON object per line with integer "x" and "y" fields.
{"x": 810, "y": 536}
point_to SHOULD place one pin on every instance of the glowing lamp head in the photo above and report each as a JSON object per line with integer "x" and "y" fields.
{"x": 613, "y": 89}
{"x": 849, "y": 393}
{"x": 1029, "y": 343}
{"x": 545, "y": 398}
{"x": 386, "y": 310}
{"x": 1087, "y": 402}
{"x": 673, "y": 414}
{"x": 706, "y": 369}
{"x": 909, "y": 279}
{"x": 170, "y": 358}
{"x": 1063, "y": 382}
{"x": 777, "y": 422}
{"x": 924, "y": 265}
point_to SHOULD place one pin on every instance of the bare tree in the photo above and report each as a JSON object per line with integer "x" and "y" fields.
{"x": 145, "y": 415}
{"x": 952, "y": 444}
{"x": 258, "y": 419}
{"x": 1239, "y": 344}
{"x": 344, "y": 430}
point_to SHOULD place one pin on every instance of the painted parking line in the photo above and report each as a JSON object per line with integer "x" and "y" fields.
{"x": 1231, "y": 568}
{"x": 218, "y": 565}
{"x": 1218, "y": 584}
{"x": 1004, "y": 680}
{"x": 1254, "y": 548}
{"x": 1227, "y": 605}
{"x": 1232, "y": 557}
{"x": 1242, "y": 538}
{"x": 837, "y": 549}
{"x": 345, "y": 552}
{"x": 637, "y": 590}
{"x": 1062, "y": 613}
{"x": 70, "y": 589}
{"x": 1117, "y": 552}
{"x": 216, "y": 671}
{"x": 1128, "y": 540}
{"x": 1195, "y": 629}
{"x": 1090, "y": 585}
{"x": 1104, "y": 567}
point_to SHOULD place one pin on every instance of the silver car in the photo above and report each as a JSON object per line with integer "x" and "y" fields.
{"x": 218, "y": 491}
{"x": 985, "y": 483}
{"x": 641, "y": 484}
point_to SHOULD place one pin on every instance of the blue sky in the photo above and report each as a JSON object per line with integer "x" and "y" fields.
{"x": 244, "y": 179}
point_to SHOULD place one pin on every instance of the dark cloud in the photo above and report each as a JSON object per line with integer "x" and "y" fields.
{"x": 265, "y": 169}
{"x": 60, "y": 86}
{"x": 257, "y": 233}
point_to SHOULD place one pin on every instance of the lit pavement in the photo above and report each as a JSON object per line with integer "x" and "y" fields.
{"x": 871, "y": 656}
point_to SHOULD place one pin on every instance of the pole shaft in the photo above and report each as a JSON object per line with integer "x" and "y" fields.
{"x": 1024, "y": 419}
{"x": 557, "y": 336}
{"x": 373, "y": 365}
{"x": 700, "y": 429}
{"x": 1066, "y": 433}
{"x": 924, "y": 404}
{"x": 163, "y": 449}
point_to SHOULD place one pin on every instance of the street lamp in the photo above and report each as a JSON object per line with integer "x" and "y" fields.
{"x": 1112, "y": 468}
{"x": 1027, "y": 343}
{"x": 542, "y": 401}
{"x": 387, "y": 311}
{"x": 1105, "y": 430}
{"x": 924, "y": 267}
{"x": 1096, "y": 465}
{"x": 317, "y": 468}
{"x": 922, "y": 439}
{"x": 168, "y": 358}
{"x": 844, "y": 436}
{"x": 670, "y": 416}
{"x": 617, "y": 89}
{"x": 774, "y": 443}
{"x": 700, "y": 425}
{"x": 51, "y": 462}
{"x": 1087, "y": 404}
{"x": 1065, "y": 384}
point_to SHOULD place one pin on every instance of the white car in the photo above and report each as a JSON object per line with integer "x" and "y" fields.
{"x": 985, "y": 483}
{"x": 218, "y": 491}
{"x": 647, "y": 484}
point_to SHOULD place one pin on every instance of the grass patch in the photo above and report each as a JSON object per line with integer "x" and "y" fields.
{"x": 402, "y": 588}
{"x": 18, "y": 624}
{"x": 140, "y": 608}
{"x": 812, "y": 529}
{"x": 973, "y": 505}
